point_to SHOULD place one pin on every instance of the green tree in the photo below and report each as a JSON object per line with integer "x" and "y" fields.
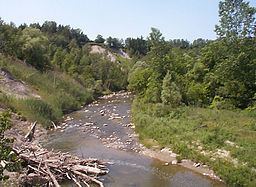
{"x": 170, "y": 92}
{"x": 114, "y": 43}
{"x": 136, "y": 47}
{"x": 138, "y": 77}
{"x": 35, "y": 48}
{"x": 99, "y": 39}
{"x": 180, "y": 43}
{"x": 49, "y": 27}
{"x": 9, "y": 39}
{"x": 72, "y": 60}
{"x": 155, "y": 37}
{"x": 58, "y": 57}
{"x": 153, "y": 91}
{"x": 237, "y": 19}
{"x": 199, "y": 43}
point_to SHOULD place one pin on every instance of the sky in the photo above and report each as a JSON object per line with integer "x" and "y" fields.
{"x": 187, "y": 19}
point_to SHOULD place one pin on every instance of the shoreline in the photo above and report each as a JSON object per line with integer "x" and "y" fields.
{"x": 165, "y": 155}
{"x": 186, "y": 163}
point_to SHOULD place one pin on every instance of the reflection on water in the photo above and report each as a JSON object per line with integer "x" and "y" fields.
{"x": 129, "y": 169}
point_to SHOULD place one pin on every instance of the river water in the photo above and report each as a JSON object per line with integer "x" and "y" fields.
{"x": 102, "y": 130}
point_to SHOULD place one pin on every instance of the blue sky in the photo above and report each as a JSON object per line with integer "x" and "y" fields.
{"x": 188, "y": 19}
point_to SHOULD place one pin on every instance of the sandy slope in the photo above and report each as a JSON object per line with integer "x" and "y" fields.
{"x": 11, "y": 86}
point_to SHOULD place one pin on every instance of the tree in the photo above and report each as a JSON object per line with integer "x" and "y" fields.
{"x": 170, "y": 92}
{"x": 35, "y": 48}
{"x": 99, "y": 39}
{"x": 79, "y": 36}
{"x": 155, "y": 37}
{"x": 180, "y": 43}
{"x": 23, "y": 26}
{"x": 58, "y": 57}
{"x": 199, "y": 43}
{"x": 237, "y": 19}
{"x": 49, "y": 27}
{"x": 153, "y": 91}
{"x": 9, "y": 39}
{"x": 137, "y": 47}
{"x": 138, "y": 77}
{"x": 114, "y": 43}
{"x": 72, "y": 60}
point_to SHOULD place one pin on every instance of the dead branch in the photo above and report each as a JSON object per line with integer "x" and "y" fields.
{"x": 29, "y": 136}
{"x": 54, "y": 180}
{"x": 51, "y": 168}
{"x": 57, "y": 166}
{"x": 54, "y": 125}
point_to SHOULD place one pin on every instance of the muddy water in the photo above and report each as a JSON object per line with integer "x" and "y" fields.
{"x": 103, "y": 130}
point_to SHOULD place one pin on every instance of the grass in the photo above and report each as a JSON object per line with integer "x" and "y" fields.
{"x": 190, "y": 131}
{"x": 59, "y": 93}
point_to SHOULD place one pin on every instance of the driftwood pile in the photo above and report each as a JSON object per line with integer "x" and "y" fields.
{"x": 49, "y": 168}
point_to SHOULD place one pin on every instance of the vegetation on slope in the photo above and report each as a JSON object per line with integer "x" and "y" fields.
{"x": 56, "y": 62}
{"x": 199, "y": 99}
{"x": 59, "y": 92}
{"x": 222, "y": 139}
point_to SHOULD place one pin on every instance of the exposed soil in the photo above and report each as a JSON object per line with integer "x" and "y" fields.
{"x": 96, "y": 49}
{"x": 10, "y": 86}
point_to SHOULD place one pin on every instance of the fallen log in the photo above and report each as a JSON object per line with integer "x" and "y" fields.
{"x": 86, "y": 177}
{"x": 76, "y": 182}
{"x": 88, "y": 169}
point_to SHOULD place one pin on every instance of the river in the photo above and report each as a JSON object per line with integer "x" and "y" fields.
{"x": 103, "y": 130}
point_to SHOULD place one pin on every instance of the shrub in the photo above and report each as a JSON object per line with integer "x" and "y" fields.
{"x": 6, "y": 154}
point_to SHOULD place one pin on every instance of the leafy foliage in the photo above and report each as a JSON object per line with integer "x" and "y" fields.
{"x": 99, "y": 39}
{"x": 175, "y": 78}
{"x": 203, "y": 70}
{"x": 237, "y": 19}
{"x": 8, "y": 159}
{"x": 114, "y": 43}
{"x": 136, "y": 47}
{"x": 170, "y": 92}
{"x": 34, "y": 48}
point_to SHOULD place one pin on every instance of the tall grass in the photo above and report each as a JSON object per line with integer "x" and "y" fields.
{"x": 185, "y": 129}
{"x": 59, "y": 92}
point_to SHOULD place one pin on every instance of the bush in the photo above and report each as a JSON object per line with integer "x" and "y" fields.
{"x": 170, "y": 92}
{"x": 6, "y": 153}
{"x": 220, "y": 103}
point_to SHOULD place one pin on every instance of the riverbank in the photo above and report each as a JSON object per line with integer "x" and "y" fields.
{"x": 19, "y": 128}
{"x": 170, "y": 158}
{"x": 163, "y": 154}
{"x": 222, "y": 139}
{"x": 128, "y": 140}
{"x": 120, "y": 135}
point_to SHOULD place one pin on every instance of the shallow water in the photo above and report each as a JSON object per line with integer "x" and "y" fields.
{"x": 95, "y": 132}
